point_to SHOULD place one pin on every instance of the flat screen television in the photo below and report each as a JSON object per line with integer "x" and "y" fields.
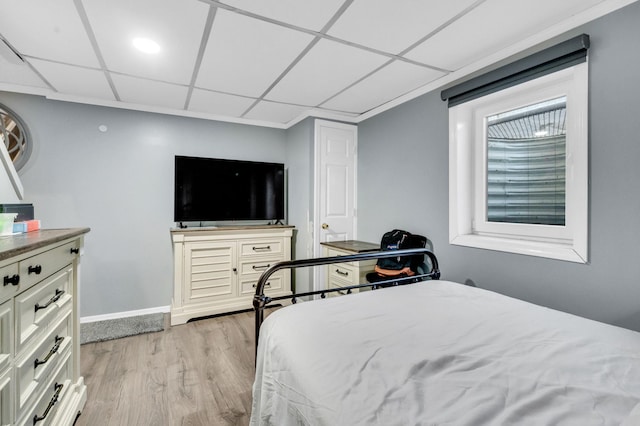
{"x": 214, "y": 189}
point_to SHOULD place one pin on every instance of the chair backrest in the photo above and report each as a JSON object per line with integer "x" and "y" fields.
{"x": 398, "y": 239}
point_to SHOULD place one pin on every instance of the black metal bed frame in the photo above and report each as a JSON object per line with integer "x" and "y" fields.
{"x": 260, "y": 300}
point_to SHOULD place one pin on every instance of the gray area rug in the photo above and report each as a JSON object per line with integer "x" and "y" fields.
{"x": 121, "y": 327}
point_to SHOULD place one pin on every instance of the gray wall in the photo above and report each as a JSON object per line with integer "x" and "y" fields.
{"x": 120, "y": 184}
{"x": 300, "y": 201}
{"x": 403, "y": 183}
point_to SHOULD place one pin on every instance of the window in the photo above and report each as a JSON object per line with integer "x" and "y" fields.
{"x": 518, "y": 161}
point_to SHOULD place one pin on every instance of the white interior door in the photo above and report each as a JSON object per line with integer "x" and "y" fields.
{"x": 335, "y": 185}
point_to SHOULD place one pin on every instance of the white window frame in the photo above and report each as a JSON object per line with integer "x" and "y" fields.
{"x": 468, "y": 225}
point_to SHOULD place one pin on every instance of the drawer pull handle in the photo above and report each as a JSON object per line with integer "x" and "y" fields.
{"x": 74, "y": 250}
{"x": 260, "y": 267}
{"x": 35, "y": 269}
{"x": 54, "y": 400}
{"x": 261, "y": 248}
{"x": 339, "y": 272}
{"x": 55, "y": 298}
{"x": 266, "y": 285}
{"x": 13, "y": 280}
{"x": 53, "y": 350}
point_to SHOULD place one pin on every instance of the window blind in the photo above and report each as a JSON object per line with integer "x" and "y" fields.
{"x": 549, "y": 60}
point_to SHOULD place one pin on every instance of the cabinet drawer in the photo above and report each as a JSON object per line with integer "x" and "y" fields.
{"x": 273, "y": 284}
{"x": 6, "y": 399}
{"x": 10, "y": 280}
{"x": 44, "y": 264}
{"x": 38, "y": 306}
{"x": 343, "y": 272}
{"x": 262, "y": 247}
{"x": 6, "y": 334}
{"x": 35, "y": 368}
{"x": 256, "y": 267}
{"x": 43, "y": 411}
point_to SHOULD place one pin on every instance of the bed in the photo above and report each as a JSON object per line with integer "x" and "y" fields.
{"x": 442, "y": 353}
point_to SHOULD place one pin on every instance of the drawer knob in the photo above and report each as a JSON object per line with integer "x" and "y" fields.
{"x": 339, "y": 272}
{"x": 55, "y": 298}
{"x": 35, "y": 269}
{"x": 261, "y": 248}
{"x": 13, "y": 280}
{"x": 54, "y": 399}
{"x": 74, "y": 250}
{"x": 260, "y": 267}
{"x": 266, "y": 285}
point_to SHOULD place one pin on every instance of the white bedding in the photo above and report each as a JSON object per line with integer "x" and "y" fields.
{"x": 441, "y": 353}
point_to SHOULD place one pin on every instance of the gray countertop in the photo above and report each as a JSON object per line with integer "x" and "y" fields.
{"x": 13, "y": 245}
{"x": 354, "y": 246}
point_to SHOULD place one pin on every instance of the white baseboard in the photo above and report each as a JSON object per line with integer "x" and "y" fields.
{"x": 126, "y": 314}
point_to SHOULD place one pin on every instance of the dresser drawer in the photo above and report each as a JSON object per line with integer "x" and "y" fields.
{"x": 343, "y": 272}
{"x": 6, "y": 398}
{"x": 248, "y": 286}
{"x": 44, "y": 264}
{"x": 262, "y": 247}
{"x": 256, "y": 267}
{"x": 35, "y": 368}
{"x": 6, "y": 334}
{"x": 50, "y": 398}
{"x": 41, "y": 304}
{"x": 10, "y": 280}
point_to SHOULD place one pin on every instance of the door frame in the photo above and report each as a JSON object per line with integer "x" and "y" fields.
{"x": 317, "y": 248}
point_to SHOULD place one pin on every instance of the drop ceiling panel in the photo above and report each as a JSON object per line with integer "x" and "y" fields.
{"x": 323, "y": 72}
{"x": 312, "y": 14}
{"x": 245, "y": 55}
{"x": 48, "y": 30}
{"x": 218, "y": 103}
{"x": 493, "y": 26}
{"x": 394, "y": 26}
{"x": 385, "y": 85}
{"x": 141, "y": 91}
{"x": 275, "y": 112}
{"x": 177, "y": 26}
{"x": 19, "y": 74}
{"x": 76, "y": 81}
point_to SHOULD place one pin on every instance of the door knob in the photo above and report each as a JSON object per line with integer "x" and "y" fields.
{"x": 325, "y": 226}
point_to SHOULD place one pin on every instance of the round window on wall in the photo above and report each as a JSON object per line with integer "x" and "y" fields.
{"x": 15, "y": 136}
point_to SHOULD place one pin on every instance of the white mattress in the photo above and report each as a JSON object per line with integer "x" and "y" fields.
{"x": 441, "y": 353}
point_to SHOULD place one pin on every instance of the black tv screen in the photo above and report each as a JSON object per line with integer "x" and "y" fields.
{"x": 213, "y": 189}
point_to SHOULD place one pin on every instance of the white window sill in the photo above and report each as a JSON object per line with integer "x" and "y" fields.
{"x": 551, "y": 250}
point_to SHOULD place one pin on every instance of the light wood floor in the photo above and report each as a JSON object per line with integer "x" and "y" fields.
{"x": 199, "y": 373}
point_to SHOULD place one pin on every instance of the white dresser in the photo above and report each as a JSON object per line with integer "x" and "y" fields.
{"x": 350, "y": 273}
{"x": 216, "y": 269}
{"x": 40, "y": 382}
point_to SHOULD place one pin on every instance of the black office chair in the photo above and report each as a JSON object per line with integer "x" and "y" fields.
{"x": 416, "y": 263}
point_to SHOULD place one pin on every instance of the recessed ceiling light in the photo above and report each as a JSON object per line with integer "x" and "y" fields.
{"x": 146, "y": 45}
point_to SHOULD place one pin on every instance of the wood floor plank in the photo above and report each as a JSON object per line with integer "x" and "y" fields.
{"x": 199, "y": 373}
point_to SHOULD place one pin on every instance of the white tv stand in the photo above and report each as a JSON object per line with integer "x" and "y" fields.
{"x": 216, "y": 269}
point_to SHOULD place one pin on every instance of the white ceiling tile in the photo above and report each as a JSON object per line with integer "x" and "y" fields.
{"x": 177, "y": 26}
{"x": 275, "y": 112}
{"x": 385, "y": 85}
{"x": 19, "y": 74}
{"x": 219, "y": 103}
{"x": 491, "y": 27}
{"x": 323, "y": 72}
{"x": 48, "y": 30}
{"x": 312, "y": 14}
{"x": 245, "y": 55}
{"x": 148, "y": 92}
{"x": 394, "y": 26}
{"x": 77, "y": 81}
